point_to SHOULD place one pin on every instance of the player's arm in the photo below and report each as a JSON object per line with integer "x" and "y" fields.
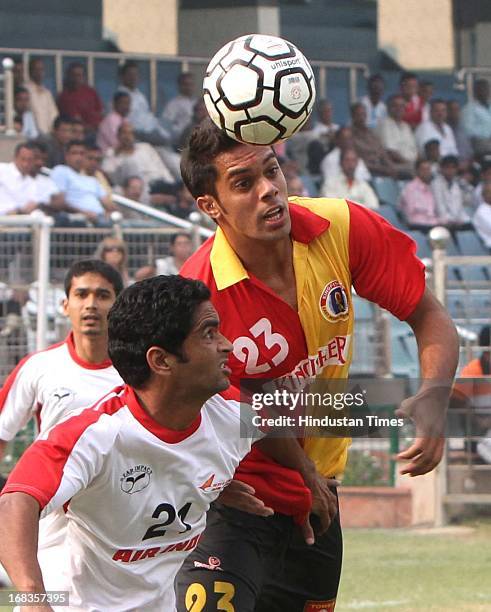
{"x": 385, "y": 270}
{"x": 438, "y": 349}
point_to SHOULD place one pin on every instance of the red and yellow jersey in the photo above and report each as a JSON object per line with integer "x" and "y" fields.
{"x": 336, "y": 245}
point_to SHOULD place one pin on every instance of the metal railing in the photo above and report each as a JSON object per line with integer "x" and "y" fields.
{"x": 184, "y": 63}
{"x": 7, "y": 97}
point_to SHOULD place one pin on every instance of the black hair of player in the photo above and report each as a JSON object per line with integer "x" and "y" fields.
{"x": 198, "y": 169}
{"x": 158, "y": 311}
{"x": 94, "y": 266}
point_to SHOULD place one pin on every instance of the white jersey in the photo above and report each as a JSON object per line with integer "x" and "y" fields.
{"x": 48, "y": 386}
{"x": 135, "y": 495}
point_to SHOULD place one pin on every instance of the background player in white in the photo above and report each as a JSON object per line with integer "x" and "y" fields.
{"x": 71, "y": 374}
{"x": 136, "y": 473}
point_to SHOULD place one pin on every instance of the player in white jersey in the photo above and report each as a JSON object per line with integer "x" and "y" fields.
{"x": 50, "y": 384}
{"x": 136, "y": 472}
{"x": 71, "y": 374}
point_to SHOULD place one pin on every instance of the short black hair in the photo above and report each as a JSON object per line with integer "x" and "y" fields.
{"x": 59, "y": 120}
{"x": 177, "y": 235}
{"x": 449, "y": 160}
{"x": 420, "y": 161}
{"x": 95, "y": 266}
{"x": 405, "y": 76}
{"x": 198, "y": 169}
{"x": 127, "y": 65}
{"x": 436, "y": 101}
{"x": 75, "y": 143}
{"x": 120, "y": 94}
{"x": 376, "y": 77}
{"x": 157, "y": 311}
{"x": 23, "y": 145}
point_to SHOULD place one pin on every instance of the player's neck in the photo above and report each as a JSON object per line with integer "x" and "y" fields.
{"x": 264, "y": 259}
{"x": 170, "y": 408}
{"x": 92, "y": 349}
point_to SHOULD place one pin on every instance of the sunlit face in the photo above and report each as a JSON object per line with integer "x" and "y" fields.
{"x": 424, "y": 172}
{"x": 21, "y": 102}
{"x": 88, "y": 303}
{"x": 24, "y": 160}
{"x": 113, "y": 253}
{"x": 205, "y": 351}
{"x": 439, "y": 112}
{"x": 251, "y": 201}
{"x": 182, "y": 247}
{"x": 75, "y": 157}
{"x": 63, "y": 133}
{"x": 409, "y": 88}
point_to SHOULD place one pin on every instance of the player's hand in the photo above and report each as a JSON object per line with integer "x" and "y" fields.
{"x": 241, "y": 496}
{"x": 324, "y": 501}
{"x": 427, "y": 409}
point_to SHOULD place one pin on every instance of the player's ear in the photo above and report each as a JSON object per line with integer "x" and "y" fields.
{"x": 64, "y": 305}
{"x": 159, "y": 360}
{"x": 208, "y": 205}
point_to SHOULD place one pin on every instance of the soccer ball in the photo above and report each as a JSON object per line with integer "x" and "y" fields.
{"x": 259, "y": 89}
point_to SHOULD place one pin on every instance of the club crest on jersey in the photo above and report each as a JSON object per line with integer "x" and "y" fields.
{"x": 333, "y": 302}
{"x": 135, "y": 479}
{"x": 209, "y": 486}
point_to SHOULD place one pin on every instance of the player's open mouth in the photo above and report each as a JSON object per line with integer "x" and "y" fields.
{"x": 275, "y": 214}
{"x": 225, "y": 368}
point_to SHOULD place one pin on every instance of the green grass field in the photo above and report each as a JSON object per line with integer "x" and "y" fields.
{"x": 407, "y": 571}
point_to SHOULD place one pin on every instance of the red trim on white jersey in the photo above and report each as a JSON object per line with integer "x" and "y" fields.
{"x": 81, "y": 362}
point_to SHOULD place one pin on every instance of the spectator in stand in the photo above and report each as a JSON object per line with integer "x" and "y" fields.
{"x": 178, "y": 112}
{"x": 413, "y": 111}
{"x": 180, "y": 250}
{"x": 437, "y": 128}
{"x": 24, "y": 114}
{"x": 476, "y": 118}
{"x": 432, "y": 154}
{"x": 369, "y": 147}
{"x": 107, "y": 134}
{"x": 373, "y": 101}
{"x": 78, "y": 130}
{"x": 324, "y": 133}
{"x": 57, "y": 141}
{"x": 295, "y": 186}
{"x": 92, "y": 167}
{"x": 145, "y": 123}
{"x": 449, "y": 196}
{"x": 131, "y": 158}
{"x": 425, "y": 92}
{"x": 482, "y": 217}
{"x": 298, "y": 144}
{"x": 397, "y": 137}
{"x": 417, "y": 201}
{"x": 17, "y": 187}
{"x": 83, "y": 194}
{"x": 347, "y": 186}
{"x": 199, "y": 113}
{"x": 464, "y": 147}
{"x": 133, "y": 188}
{"x": 42, "y": 102}
{"x": 185, "y": 203}
{"x": 114, "y": 252}
{"x": 331, "y": 164}
{"x": 484, "y": 177}
{"x": 78, "y": 100}
{"x": 18, "y": 72}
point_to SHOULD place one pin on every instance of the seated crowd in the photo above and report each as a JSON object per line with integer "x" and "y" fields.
{"x": 436, "y": 154}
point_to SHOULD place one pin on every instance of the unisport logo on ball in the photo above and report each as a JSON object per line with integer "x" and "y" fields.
{"x": 259, "y": 89}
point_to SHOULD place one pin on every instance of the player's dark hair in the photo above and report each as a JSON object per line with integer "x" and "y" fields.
{"x": 119, "y": 95}
{"x": 406, "y": 76}
{"x": 157, "y": 311}
{"x": 60, "y": 120}
{"x": 94, "y": 266}
{"x": 30, "y": 146}
{"x": 177, "y": 235}
{"x": 449, "y": 160}
{"x": 198, "y": 169}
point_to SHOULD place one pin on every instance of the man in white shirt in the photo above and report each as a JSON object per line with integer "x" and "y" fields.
{"x": 437, "y": 128}
{"x": 180, "y": 249}
{"x": 178, "y": 112}
{"x": 476, "y": 118}
{"x": 42, "y": 102}
{"x": 373, "y": 102}
{"x": 449, "y": 197}
{"x": 482, "y": 217}
{"x": 137, "y": 472}
{"x": 346, "y": 185}
{"x": 17, "y": 187}
{"x": 331, "y": 165}
{"x": 396, "y": 135}
{"x": 23, "y": 113}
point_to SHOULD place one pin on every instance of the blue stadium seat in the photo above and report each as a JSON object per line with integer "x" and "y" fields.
{"x": 363, "y": 308}
{"x": 389, "y": 213}
{"x": 424, "y": 249}
{"x": 309, "y": 181}
{"x": 387, "y": 190}
{"x": 470, "y": 244}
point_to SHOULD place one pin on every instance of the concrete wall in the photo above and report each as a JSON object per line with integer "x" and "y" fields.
{"x": 203, "y": 31}
{"x": 147, "y": 26}
{"x": 418, "y": 34}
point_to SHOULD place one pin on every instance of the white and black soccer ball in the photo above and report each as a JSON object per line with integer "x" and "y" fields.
{"x": 259, "y": 89}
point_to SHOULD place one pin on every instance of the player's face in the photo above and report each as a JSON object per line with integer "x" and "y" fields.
{"x": 251, "y": 197}
{"x": 90, "y": 298}
{"x": 206, "y": 353}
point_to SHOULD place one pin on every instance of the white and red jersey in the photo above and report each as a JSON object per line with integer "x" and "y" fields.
{"x": 135, "y": 496}
{"x": 49, "y": 384}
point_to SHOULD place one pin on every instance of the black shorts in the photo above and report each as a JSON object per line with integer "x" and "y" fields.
{"x": 248, "y": 563}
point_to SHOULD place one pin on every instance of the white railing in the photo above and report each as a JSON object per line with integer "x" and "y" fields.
{"x": 7, "y": 97}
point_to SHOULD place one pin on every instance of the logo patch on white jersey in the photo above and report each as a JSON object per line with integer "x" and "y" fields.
{"x": 61, "y": 397}
{"x": 333, "y": 302}
{"x": 135, "y": 479}
{"x": 210, "y": 485}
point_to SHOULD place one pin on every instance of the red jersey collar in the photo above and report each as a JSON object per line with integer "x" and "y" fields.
{"x": 170, "y": 436}
{"x": 227, "y": 267}
{"x": 70, "y": 342}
